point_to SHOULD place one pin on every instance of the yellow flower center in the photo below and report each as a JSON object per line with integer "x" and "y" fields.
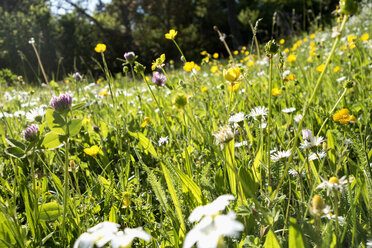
{"x": 318, "y": 202}
{"x": 333, "y": 180}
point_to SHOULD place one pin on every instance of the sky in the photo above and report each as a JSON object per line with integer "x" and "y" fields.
{"x": 60, "y": 7}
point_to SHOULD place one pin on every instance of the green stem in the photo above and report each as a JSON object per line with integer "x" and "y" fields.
{"x": 306, "y": 108}
{"x": 179, "y": 49}
{"x": 269, "y": 122}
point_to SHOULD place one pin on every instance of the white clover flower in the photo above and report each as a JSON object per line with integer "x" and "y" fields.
{"x": 289, "y": 110}
{"x": 318, "y": 155}
{"x": 224, "y": 135}
{"x": 212, "y": 208}
{"x": 298, "y": 118}
{"x": 259, "y": 112}
{"x": 163, "y": 141}
{"x": 208, "y": 233}
{"x": 334, "y": 184}
{"x": 280, "y": 154}
{"x": 35, "y": 114}
{"x": 239, "y": 117}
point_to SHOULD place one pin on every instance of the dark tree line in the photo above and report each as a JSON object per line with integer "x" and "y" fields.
{"x": 66, "y": 42}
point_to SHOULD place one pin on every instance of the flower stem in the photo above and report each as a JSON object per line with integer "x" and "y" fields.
{"x": 269, "y": 122}
{"x": 306, "y": 107}
{"x": 179, "y": 49}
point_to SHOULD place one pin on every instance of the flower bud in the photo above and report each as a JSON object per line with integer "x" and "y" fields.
{"x": 348, "y": 7}
{"x": 271, "y": 47}
{"x": 61, "y": 104}
{"x": 180, "y": 100}
{"x": 139, "y": 68}
{"x": 129, "y": 57}
{"x": 348, "y": 84}
{"x": 31, "y": 133}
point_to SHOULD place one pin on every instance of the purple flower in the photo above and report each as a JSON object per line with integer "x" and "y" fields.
{"x": 77, "y": 76}
{"x": 31, "y": 133}
{"x": 158, "y": 79}
{"x": 61, "y": 104}
{"x": 129, "y": 57}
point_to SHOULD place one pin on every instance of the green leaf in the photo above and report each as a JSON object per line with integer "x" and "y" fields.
{"x": 55, "y": 122}
{"x": 145, "y": 143}
{"x": 15, "y": 152}
{"x": 189, "y": 184}
{"x": 15, "y": 143}
{"x": 74, "y": 126}
{"x": 247, "y": 182}
{"x": 271, "y": 240}
{"x": 257, "y": 164}
{"x": 50, "y": 211}
{"x": 112, "y": 216}
{"x": 51, "y": 140}
{"x": 331, "y": 152}
{"x": 231, "y": 166}
{"x": 79, "y": 105}
{"x": 296, "y": 238}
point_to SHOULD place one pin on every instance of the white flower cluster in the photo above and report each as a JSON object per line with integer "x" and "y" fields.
{"x": 106, "y": 232}
{"x": 212, "y": 225}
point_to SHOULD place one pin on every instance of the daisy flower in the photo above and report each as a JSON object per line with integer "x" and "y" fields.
{"x": 289, "y": 110}
{"x": 334, "y": 184}
{"x": 259, "y": 112}
{"x": 224, "y": 135}
{"x": 280, "y": 154}
{"x": 239, "y": 117}
{"x": 35, "y": 114}
{"x": 318, "y": 155}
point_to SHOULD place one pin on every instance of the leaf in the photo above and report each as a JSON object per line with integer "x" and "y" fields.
{"x": 55, "y": 122}
{"x": 74, "y": 126}
{"x": 295, "y": 235}
{"x": 51, "y": 140}
{"x": 248, "y": 183}
{"x": 231, "y": 166}
{"x": 257, "y": 165}
{"x": 331, "y": 152}
{"x": 15, "y": 143}
{"x": 50, "y": 211}
{"x": 15, "y": 152}
{"x": 190, "y": 184}
{"x": 145, "y": 142}
{"x": 271, "y": 240}
{"x": 79, "y": 105}
{"x": 112, "y": 216}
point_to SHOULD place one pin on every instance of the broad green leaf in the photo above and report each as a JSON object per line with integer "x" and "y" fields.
{"x": 51, "y": 140}
{"x": 50, "y": 211}
{"x": 16, "y": 143}
{"x": 15, "y": 152}
{"x": 74, "y": 126}
{"x": 271, "y": 240}
{"x": 145, "y": 143}
{"x": 112, "y": 216}
{"x": 55, "y": 122}
{"x": 296, "y": 238}
{"x": 257, "y": 165}
{"x": 190, "y": 184}
{"x": 231, "y": 166}
{"x": 174, "y": 197}
{"x": 332, "y": 151}
{"x": 247, "y": 182}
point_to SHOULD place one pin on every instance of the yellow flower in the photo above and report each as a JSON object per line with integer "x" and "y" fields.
{"x": 290, "y": 77}
{"x": 236, "y": 52}
{"x": 104, "y": 93}
{"x": 171, "y": 35}
{"x": 351, "y": 38}
{"x": 146, "y": 122}
{"x": 312, "y": 36}
{"x": 309, "y": 59}
{"x": 343, "y": 47}
{"x": 235, "y": 87}
{"x": 100, "y": 48}
{"x": 336, "y": 69}
{"x": 246, "y": 53}
{"x": 99, "y": 80}
{"x": 291, "y": 57}
{"x": 203, "y": 53}
{"x": 214, "y": 68}
{"x": 244, "y": 48}
{"x": 250, "y": 63}
{"x": 282, "y": 41}
{"x": 204, "y": 89}
{"x": 342, "y": 116}
{"x": 286, "y": 50}
{"x": 276, "y": 92}
{"x": 320, "y": 68}
{"x": 305, "y": 39}
{"x": 86, "y": 121}
{"x": 364, "y": 37}
{"x": 232, "y": 74}
{"x": 215, "y": 55}
{"x": 159, "y": 62}
{"x": 92, "y": 151}
{"x": 352, "y": 45}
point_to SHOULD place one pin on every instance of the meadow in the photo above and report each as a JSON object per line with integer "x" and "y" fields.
{"x": 267, "y": 148}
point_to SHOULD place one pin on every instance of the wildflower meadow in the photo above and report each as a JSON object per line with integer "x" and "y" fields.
{"x": 268, "y": 147}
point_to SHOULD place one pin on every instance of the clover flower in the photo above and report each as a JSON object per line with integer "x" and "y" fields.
{"x": 31, "y": 133}
{"x": 77, "y": 76}
{"x": 130, "y": 57}
{"x": 61, "y": 104}
{"x": 334, "y": 184}
{"x": 158, "y": 79}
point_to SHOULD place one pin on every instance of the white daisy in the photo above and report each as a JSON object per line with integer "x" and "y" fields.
{"x": 208, "y": 232}
{"x": 212, "y": 208}
{"x": 35, "y": 114}
{"x": 243, "y": 143}
{"x": 163, "y": 141}
{"x": 259, "y": 112}
{"x": 125, "y": 239}
{"x": 298, "y": 118}
{"x": 224, "y": 135}
{"x": 280, "y": 154}
{"x": 318, "y": 155}
{"x": 334, "y": 184}
{"x": 312, "y": 142}
{"x": 239, "y": 117}
{"x": 289, "y": 110}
